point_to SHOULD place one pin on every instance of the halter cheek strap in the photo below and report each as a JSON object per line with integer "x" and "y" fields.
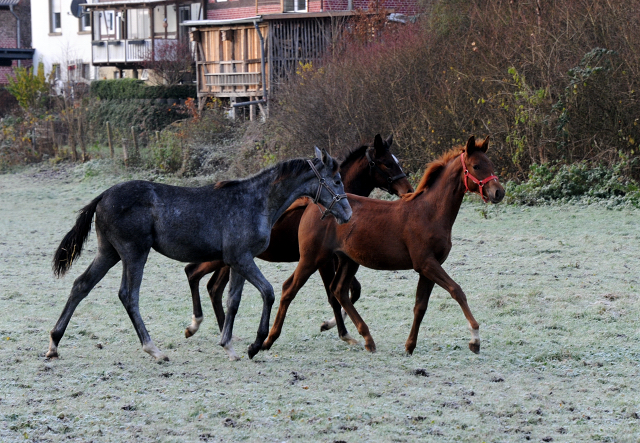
{"x": 480, "y": 183}
{"x": 390, "y": 179}
{"x": 322, "y": 183}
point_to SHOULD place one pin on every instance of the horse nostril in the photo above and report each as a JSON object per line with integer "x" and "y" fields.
{"x": 499, "y": 194}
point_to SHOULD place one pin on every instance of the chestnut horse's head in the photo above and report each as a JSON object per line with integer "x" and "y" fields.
{"x": 385, "y": 169}
{"x": 478, "y": 171}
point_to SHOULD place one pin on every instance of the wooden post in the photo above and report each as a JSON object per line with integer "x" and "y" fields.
{"x": 109, "y": 138}
{"x": 83, "y": 145}
{"x": 136, "y": 153}
{"x": 158, "y": 137}
{"x": 125, "y": 154}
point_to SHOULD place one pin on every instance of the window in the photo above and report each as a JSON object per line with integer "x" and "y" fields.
{"x": 55, "y": 11}
{"x": 295, "y": 5}
{"x": 165, "y": 20}
{"x": 86, "y": 71}
{"x": 138, "y": 24}
{"x": 56, "y": 71}
{"x": 85, "y": 20}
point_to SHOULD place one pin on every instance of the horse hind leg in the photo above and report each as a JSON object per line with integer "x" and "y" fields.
{"x": 129, "y": 295}
{"x": 327, "y": 273}
{"x": 107, "y": 257}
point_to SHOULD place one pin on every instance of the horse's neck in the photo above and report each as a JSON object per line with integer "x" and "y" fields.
{"x": 357, "y": 179}
{"x": 282, "y": 194}
{"x": 446, "y": 194}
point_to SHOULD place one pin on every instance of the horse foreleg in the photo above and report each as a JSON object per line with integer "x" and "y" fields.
{"x": 327, "y": 272}
{"x": 195, "y": 272}
{"x": 107, "y": 257}
{"x": 423, "y": 293}
{"x": 356, "y": 289}
{"x": 252, "y": 273}
{"x": 290, "y": 288}
{"x": 347, "y": 268}
{"x": 433, "y": 270}
{"x": 233, "y": 303}
{"x": 215, "y": 287}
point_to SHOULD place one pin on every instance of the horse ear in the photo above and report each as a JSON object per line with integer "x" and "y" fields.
{"x": 485, "y": 145}
{"x": 471, "y": 145}
{"x": 319, "y": 153}
{"x": 379, "y": 145}
{"x": 389, "y": 140}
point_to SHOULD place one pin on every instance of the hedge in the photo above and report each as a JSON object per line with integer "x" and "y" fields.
{"x": 127, "y": 89}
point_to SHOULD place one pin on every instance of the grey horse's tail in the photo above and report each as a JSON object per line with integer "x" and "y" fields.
{"x": 71, "y": 245}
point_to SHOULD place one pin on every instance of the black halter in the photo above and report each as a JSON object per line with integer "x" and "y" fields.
{"x": 390, "y": 179}
{"x": 322, "y": 182}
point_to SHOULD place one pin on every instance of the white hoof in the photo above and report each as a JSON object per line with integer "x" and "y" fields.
{"x": 349, "y": 339}
{"x": 151, "y": 349}
{"x": 53, "y": 350}
{"x": 231, "y": 353}
{"x": 194, "y": 326}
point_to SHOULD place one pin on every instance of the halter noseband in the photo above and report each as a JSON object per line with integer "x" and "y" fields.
{"x": 480, "y": 183}
{"x": 390, "y": 179}
{"x": 322, "y": 182}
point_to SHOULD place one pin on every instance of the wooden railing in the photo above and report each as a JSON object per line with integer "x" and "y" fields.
{"x": 233, "y": 79}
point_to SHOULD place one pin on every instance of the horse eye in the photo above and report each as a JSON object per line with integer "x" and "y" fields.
{"x": 337, "y": 182}
{"x": 476, "y": 166}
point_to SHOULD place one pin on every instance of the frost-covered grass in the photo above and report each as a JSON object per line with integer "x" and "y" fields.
{"x": 555, "y": 290}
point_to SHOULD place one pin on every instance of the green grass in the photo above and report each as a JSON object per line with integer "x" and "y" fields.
{"x": 555, "y": 289}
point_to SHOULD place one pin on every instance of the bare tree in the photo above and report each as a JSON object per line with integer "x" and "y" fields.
{"x": 170, "y": 61}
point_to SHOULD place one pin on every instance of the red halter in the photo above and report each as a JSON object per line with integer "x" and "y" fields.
{"x": 475, "y": 180}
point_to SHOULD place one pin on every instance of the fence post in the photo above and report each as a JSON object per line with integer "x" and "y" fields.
{"x": 109, "y": 139}
{"x": 125, "y": 154}
{"x": 158, "y": 137}
{"x": 136, "y": 153}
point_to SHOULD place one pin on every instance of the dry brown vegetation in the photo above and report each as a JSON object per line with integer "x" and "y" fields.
{"x": 548, "y": 80}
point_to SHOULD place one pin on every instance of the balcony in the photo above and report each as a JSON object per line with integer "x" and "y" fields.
{"x": 135, "y": 51}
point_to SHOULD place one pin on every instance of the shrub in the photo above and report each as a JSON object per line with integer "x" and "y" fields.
{"x": 575, "y": 182}
{"x": 129, "y": 89}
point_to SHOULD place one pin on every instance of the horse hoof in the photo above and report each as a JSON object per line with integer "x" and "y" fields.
{"x": 188, "y": 333}
{"x": 474, "y": 347}
{"x": 52, "y": 354}
{"x": 266, "y": 345}
{"x": 254, "y": 349}
{"x": 371, "y": 348}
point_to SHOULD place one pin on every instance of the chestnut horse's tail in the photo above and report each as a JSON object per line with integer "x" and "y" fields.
{"x": 71, "y": 245}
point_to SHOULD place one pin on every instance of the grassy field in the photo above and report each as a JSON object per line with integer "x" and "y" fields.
{"x": 555, "y": 290}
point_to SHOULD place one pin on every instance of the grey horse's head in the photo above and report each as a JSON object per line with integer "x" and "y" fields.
{"x": 331, "y": 193}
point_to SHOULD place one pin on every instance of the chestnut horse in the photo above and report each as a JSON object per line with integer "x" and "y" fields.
{"x": 417, "y": 235}
{"x": 363, "y": 169}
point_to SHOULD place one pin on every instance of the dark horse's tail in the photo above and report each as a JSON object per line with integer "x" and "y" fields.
{"x": 71, "y": 245}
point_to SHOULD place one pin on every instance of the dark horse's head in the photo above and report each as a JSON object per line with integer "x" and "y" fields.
{"x": 330, "y": 189}
{"x": 385, "y": 169}
{"x": 478, "y": 171}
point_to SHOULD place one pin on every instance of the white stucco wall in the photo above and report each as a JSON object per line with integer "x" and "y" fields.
{"x": 64, "y": 47}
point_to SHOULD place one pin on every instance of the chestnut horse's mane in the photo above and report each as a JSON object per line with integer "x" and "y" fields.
{"x": 433, "y": 171}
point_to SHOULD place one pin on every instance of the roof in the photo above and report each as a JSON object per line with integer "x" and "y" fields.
{"x": 266, "y": 17}
{"x": 9, "y": 2}
{"x": 116, "y": 3}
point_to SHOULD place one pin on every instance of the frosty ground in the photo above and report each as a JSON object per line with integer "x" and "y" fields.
{"x": 555, "y": 290}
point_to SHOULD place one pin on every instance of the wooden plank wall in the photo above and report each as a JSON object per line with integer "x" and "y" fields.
{"x": 296, "y": 41}
{"x": 239, "y": 53}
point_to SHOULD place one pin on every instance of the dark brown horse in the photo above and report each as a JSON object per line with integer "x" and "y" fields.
{"x": 413, "y": 232}
{"x": 363, "y": 169}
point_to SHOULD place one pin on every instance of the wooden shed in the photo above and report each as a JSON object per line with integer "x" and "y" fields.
{"x": 230, "y": 61}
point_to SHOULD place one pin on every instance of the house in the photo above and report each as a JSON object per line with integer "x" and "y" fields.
{"x": 244, "y": 48}
{"x": 126, "y": 33}
{"x": 15, "y": 36}
{"x": 61, "y": 33}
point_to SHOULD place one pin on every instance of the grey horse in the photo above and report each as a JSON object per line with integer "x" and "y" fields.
{"x": 229, "y": 221}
